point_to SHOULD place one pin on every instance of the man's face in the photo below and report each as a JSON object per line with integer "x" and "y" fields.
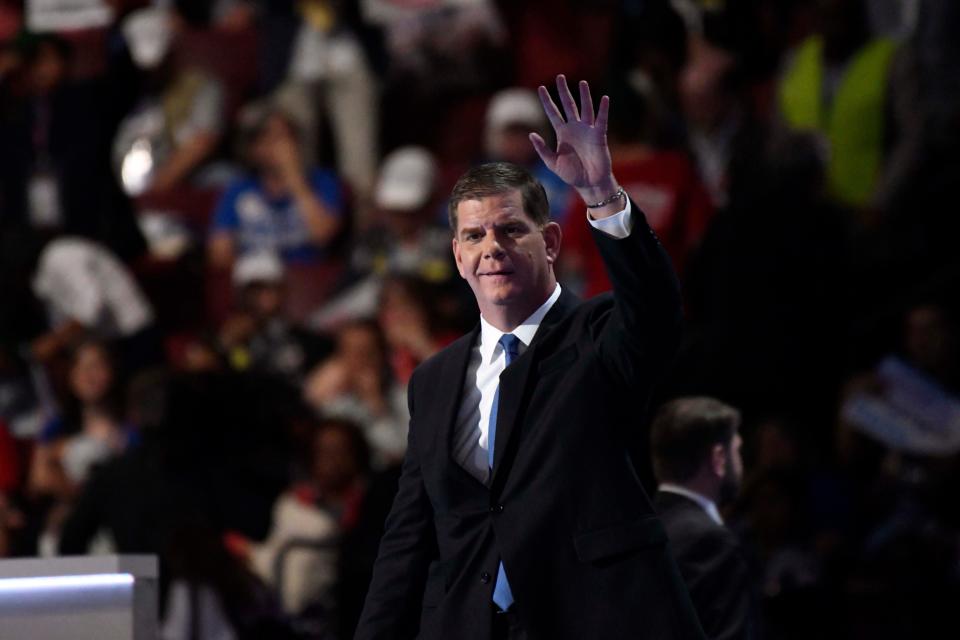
{"x": 359, "y": 348}
{"x": 264, "y": 299}
{"x": 91, "y": 374}
{"x": 48, "y": 70}
{"x": 266, "y": 146}
{"x": 404, "y": 223}
{"x": 505, "y": 257}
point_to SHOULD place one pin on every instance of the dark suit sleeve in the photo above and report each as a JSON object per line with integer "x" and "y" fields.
{"x": 643, "y": 330}
{"x": 392, "y": 607}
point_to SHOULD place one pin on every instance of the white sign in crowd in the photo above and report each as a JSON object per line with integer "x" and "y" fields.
{"x": 67, "y": 15}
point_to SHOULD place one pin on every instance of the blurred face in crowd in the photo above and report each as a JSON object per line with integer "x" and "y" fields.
{"x": 198, "y": 356}
{"x": 9, "y": 60}
{"x": 505, "y": 257}
{"x": 404, "y": 223}
{"x": 264, "y": 299}
{"x": 512, "y": 144}
{"x": 776, "y": 448}
{"x": 334, "y": 460}
{"x": 400, "y": 309}
{"x": 703, "y": 94}
{"x": 275, "y": 136}
{"x": 929, "y": 339}
{"x": 48, "y": 69}
{"x": 91, "y": 374}
{"x": 359, "y": 348}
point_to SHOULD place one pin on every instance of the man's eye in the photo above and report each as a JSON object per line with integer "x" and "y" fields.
{"x": 514, "y": 229}
{"x": 473, "y": 237}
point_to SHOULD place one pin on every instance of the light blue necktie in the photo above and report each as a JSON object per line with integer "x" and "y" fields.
{"x": 502, "y": 596}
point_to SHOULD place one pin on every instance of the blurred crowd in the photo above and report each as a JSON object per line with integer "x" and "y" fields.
{"x": 224, "y": 249}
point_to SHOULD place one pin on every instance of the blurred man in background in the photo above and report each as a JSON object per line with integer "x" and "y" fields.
{"x": 696, "y": 458}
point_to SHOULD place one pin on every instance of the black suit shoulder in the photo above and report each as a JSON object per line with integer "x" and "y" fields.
{"x": 689, "y": 526}
{"x": 712, "y": 564}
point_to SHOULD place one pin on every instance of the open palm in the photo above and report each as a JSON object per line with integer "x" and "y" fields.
{"x": 582, "y": 158}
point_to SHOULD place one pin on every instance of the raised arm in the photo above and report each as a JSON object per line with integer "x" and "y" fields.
{"x": 644, "y": 328}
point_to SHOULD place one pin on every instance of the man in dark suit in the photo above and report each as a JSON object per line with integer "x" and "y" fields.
{"x": 519, "y": 513}
{"x": 696, "y": 458}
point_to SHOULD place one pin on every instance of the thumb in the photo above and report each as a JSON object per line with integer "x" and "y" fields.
{"x": 546, "y": 154}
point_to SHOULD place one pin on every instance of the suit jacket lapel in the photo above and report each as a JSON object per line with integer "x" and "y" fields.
{"x": 513, "y": 385}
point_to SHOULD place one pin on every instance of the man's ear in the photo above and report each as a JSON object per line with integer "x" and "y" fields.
{"x": 456, "y": 257}
{"x": 552, "y": 237}
{"x": 718, "y": 460}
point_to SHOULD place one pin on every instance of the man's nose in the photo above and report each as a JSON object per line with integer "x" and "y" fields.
{"x": 492, "y": 247}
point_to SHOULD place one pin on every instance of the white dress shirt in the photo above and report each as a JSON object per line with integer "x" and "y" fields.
{"x": 487, "y": 362}
{"x": 705, "y": 503}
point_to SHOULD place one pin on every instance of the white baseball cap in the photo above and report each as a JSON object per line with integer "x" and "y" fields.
{"x": 406, "y": 179}
{"x": 516, "y": 106}
{"x": 260, "y": 266}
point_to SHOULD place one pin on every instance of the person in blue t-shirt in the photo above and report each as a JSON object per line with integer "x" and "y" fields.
{"x": 282, "y": 206}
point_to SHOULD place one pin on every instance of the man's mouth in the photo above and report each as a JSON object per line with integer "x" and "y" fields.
{"x": 501, "y": 272}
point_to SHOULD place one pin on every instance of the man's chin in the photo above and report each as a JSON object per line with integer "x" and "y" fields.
{"x": 500, "y": 294}
{"x": 503, "y": 296}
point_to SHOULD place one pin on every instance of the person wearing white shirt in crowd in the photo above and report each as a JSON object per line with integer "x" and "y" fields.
{"x": 87, "y": 290}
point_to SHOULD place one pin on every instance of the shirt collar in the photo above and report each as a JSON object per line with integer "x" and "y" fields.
{"x": 525, "y": 331}
{"x": 706, "y": 503}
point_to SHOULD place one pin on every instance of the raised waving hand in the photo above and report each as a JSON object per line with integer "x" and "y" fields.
{"x": 582, "y": 157}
